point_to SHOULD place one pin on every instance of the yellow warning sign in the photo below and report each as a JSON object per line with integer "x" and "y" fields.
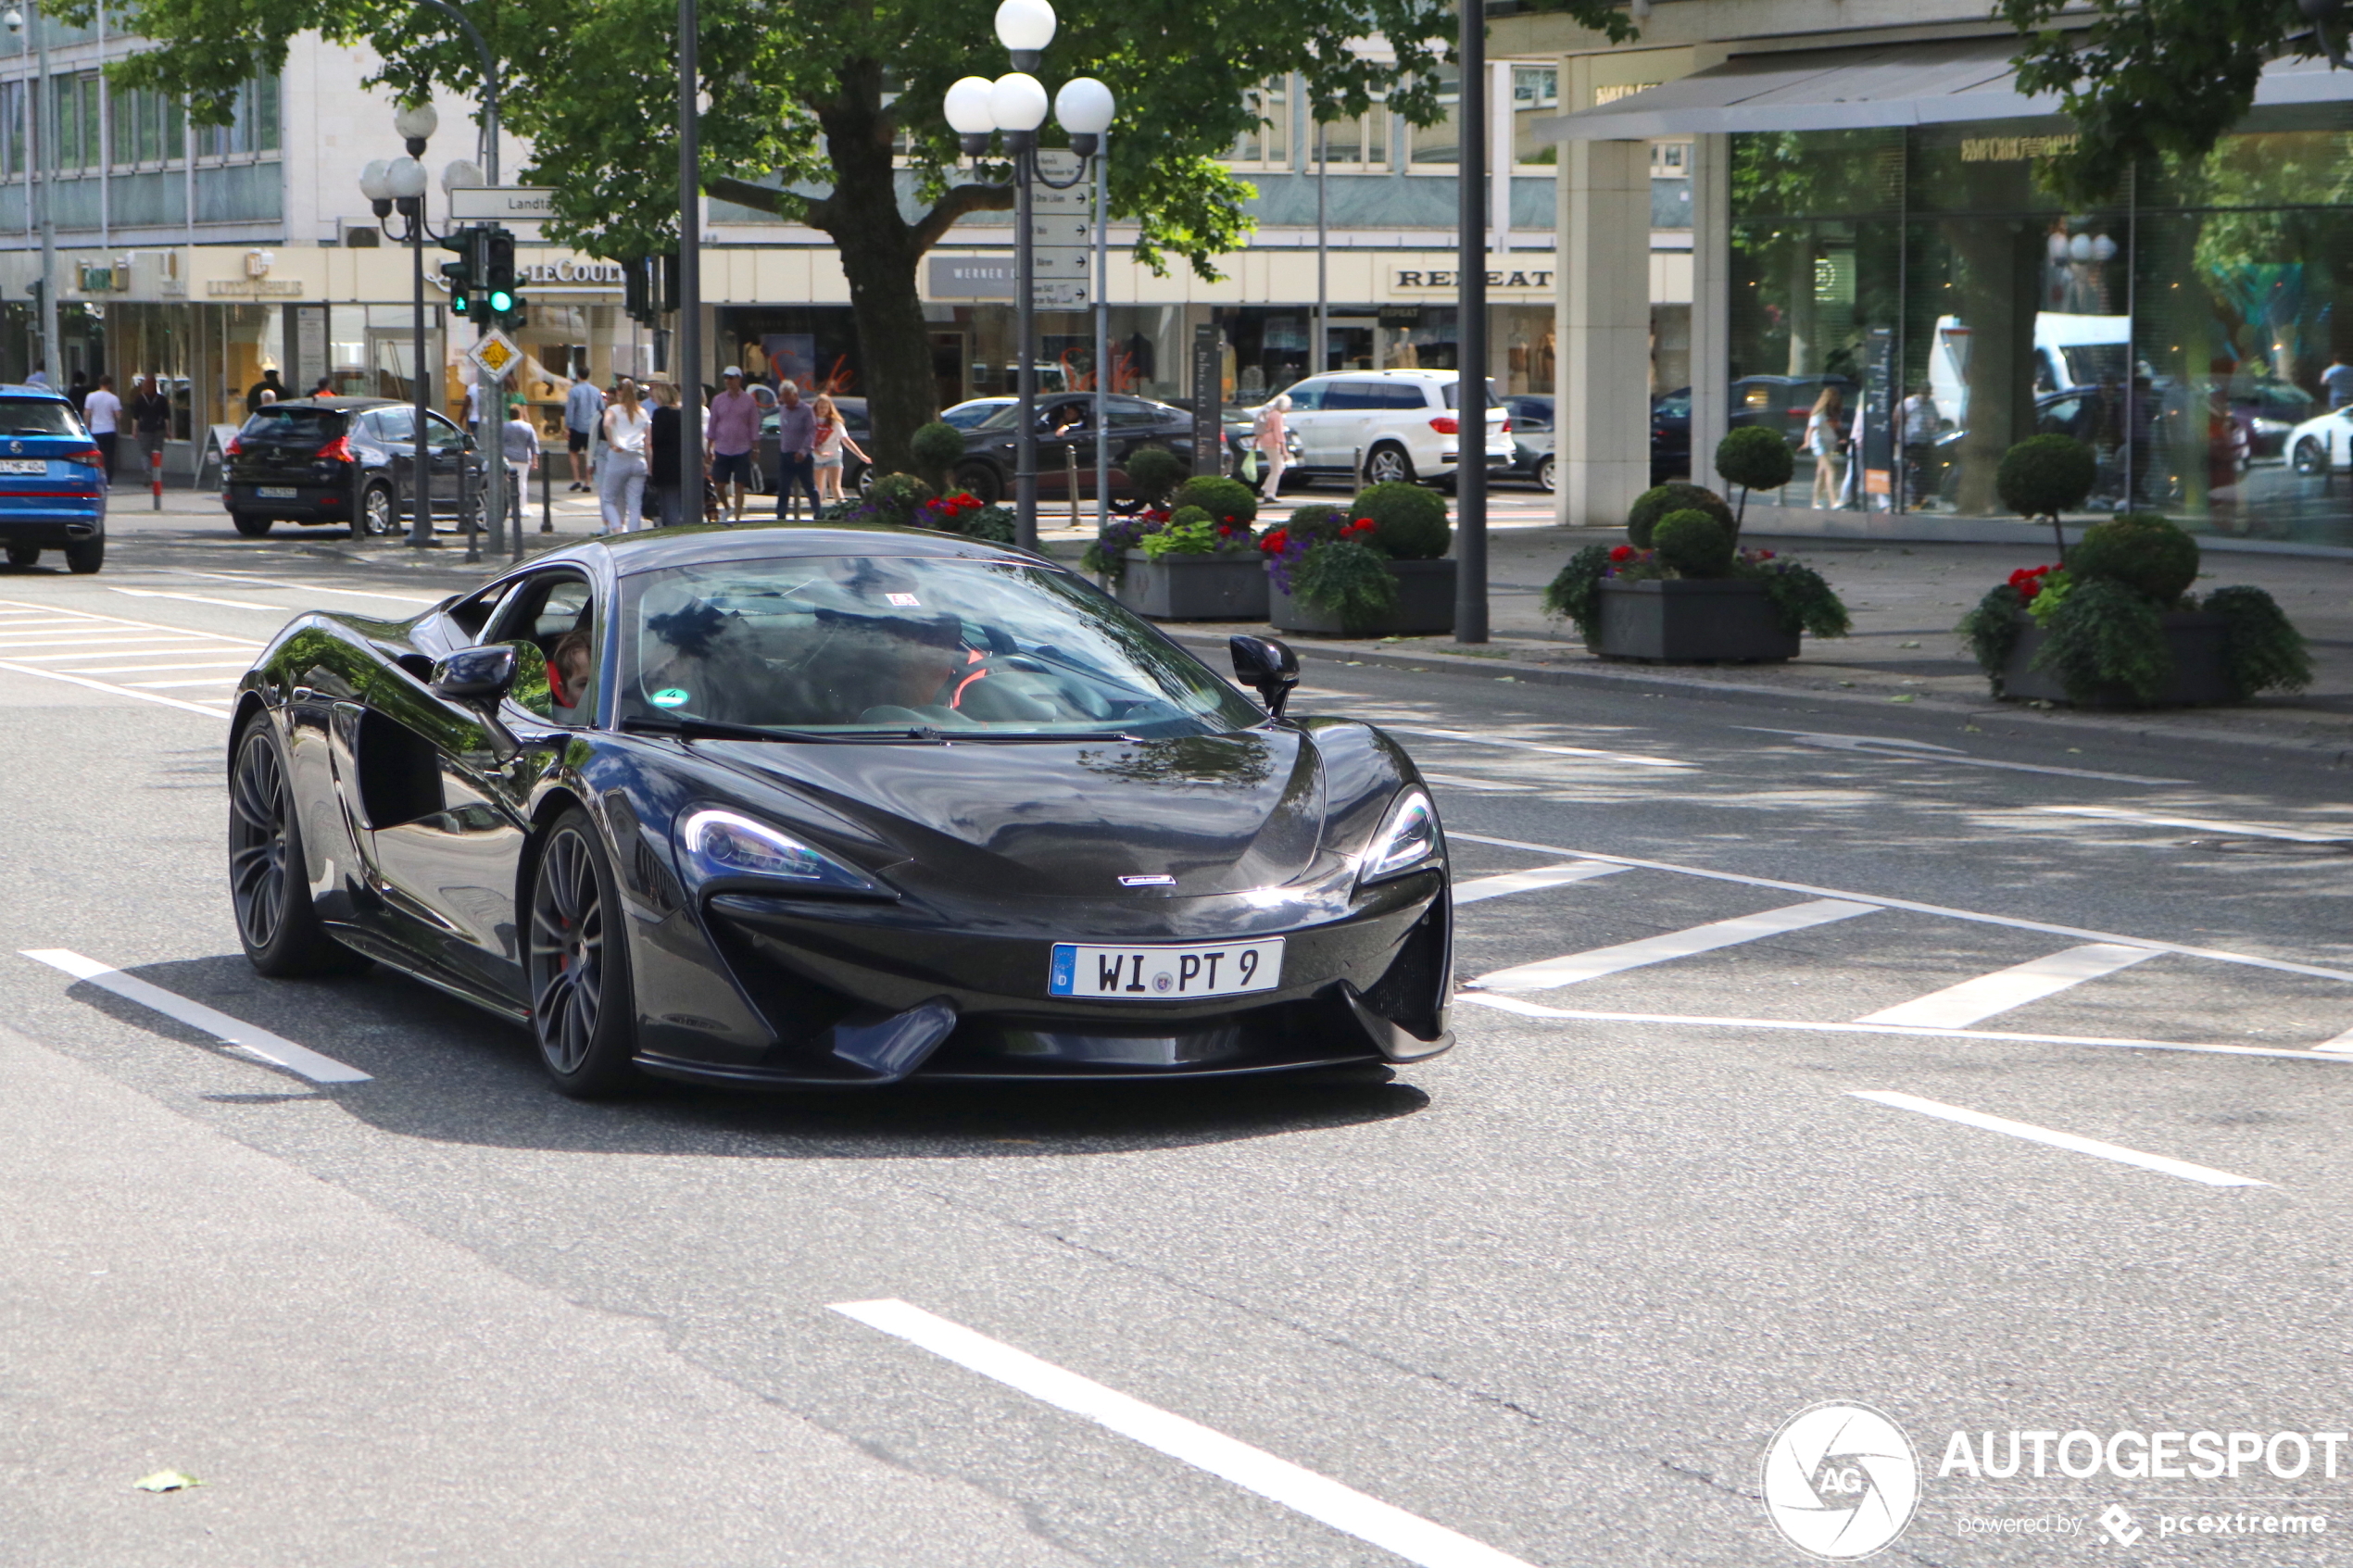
{"x": 495, "y": 353}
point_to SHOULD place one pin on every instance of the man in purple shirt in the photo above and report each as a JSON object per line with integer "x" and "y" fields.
{"x": 731, "y": 431}
{"x": 796, "y": 451}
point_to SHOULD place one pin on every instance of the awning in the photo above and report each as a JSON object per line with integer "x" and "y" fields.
{"x": 1850, "y": 89}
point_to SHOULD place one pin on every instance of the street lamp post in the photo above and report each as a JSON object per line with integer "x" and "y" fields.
{"x": 400, "y": 185}
{"x": 1014, "y": 105}
{"x": 45, "y": 142}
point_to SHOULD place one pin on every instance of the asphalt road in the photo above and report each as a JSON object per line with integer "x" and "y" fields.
{"x": 1543, "y": 1300}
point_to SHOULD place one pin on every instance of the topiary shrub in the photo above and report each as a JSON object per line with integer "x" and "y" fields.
{"x": 1153, "y": 471}
{"x": 2260, "y": 650}
{"x": 1693, "y": 543}
{"x": 1316, "y": 522}
{"x": 1677, "y": 497}
{"x": 937, "y": 448}
{"x": 896, "y": 498}
{"x": 2044, "y": 475}
{"x": 1409, "y": 522}
{"x": 2141, "y": 550}
{"x": 1226, "y": 500}
{"x": 1754, "y": 459}
{"x": 1344, "y": 578}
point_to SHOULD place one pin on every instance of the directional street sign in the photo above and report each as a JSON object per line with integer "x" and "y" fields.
{"x": 501, "y": 203}
{"x": 495, "y": 353}
{"x": 1061, "y": 237}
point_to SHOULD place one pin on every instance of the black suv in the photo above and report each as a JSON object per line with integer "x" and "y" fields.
{"x": 335, "y": 459}
{"x": 1067, "y": 428}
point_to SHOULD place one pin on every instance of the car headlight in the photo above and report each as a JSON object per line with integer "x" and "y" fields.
{"x": 716, "y": 844}
{"x": 1408, "y": 840}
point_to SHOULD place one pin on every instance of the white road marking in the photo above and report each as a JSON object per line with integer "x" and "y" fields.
{"x": 2206, "y": 1174}
{"x": 1573, "y": 968}
{"x": 1924, "y": 751}
{"x": 272, "y": 1048}
{"x": 1631, "y": 759}
{"x": 229, "y": 680}
{"x": 200, "y": 599}
{"x": 151, "y": 669}
{"x": 1471, "y": 892}
{"x": 2200, "y": 825}
{"x": 244, "y": 580}
{"x": 1958, "y": 1007}
{"x": 119, "y": 691}
{"x": 1343, "y": 1508}
{"x": 1914, "y": 906}
{"x": 1787, "y": 1025}
{"x": 2342, "y": 1043}
{"x": 1457, "y": 781}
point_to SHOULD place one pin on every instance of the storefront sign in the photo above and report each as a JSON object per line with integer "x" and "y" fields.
{"x": 603, "y": 274}
{"x": 2012, "y": 149}
{"x": 972, "y": 277}
{"x": 1404, "y": 279}
{"x": 255, "y": 288}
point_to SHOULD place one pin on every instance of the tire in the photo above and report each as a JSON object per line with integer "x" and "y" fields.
{"x": 379, "y": 513}
{"x": 86, "y": 556}
{"x": 863, "y": 485}
{"x": 980, "y": 479}
{"x": 1387, "y": 464}
{"x": 251, "y": 524}
{"x": 24, "y": 557}
{"x": 2311, "y": 458}
{"x": 268, "y": 881}
{"x": 1544, "y": 477}
{"x": 576, "y": 961}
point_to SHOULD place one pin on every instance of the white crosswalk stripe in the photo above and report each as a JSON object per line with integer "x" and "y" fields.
{"x": 1958, "y": 1007}
{"x": 1482, "y": 887}
{"x": 1551, "y": 973}
{"x": 80, "y": 649}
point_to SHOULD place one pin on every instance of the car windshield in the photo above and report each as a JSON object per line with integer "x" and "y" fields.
{"x": 1005, "y": 418}
{"x": 294, "y": 425}
{"x": 895, "y": 645}
{"x": 964, "y": 416}
{"x": 37, "y": 415}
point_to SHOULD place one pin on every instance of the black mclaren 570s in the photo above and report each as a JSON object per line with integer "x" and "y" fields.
{"x": 827, "y": 808}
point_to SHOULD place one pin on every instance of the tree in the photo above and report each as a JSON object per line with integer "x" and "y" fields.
{"x": 831, "y": 115}
{"x": 2148, "y": 78}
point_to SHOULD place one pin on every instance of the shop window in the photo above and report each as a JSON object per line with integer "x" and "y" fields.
{"x": 1266, "y": 144}
{"x": 253, "y": 123}
{"x": 1536, "y": 95}
{"x": 1439, "y": 148}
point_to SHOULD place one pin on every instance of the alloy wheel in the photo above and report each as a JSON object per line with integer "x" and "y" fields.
{"x": 258, "y": 868}
{"x": 2309, "y": 459}
{"x": 1386, "y": 466}
{"x": 567, "y": 952}
{"x": 376, "y": 513}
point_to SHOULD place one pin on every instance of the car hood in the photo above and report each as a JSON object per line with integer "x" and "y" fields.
{"x": 1215, "y": 813}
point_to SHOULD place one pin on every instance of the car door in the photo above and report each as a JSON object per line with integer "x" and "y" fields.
{"x": 1305, "y": 418}
{"x": 1343, "y": 426}
{"x": 447, "y": 816}
{"x": 449, "y": 449}
{"x": 395, "y": 432}
{"x": 1065, "y": 438}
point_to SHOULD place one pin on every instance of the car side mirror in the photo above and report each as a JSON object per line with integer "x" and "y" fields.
{"x": 1269, "y": 667}
{"x": 475, "y": 675}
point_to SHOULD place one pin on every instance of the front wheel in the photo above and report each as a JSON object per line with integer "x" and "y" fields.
{"x": 582, "y": 1011}
{"x": 1387, "y": 464}
{"x": 251, "y": 524}
{"x": 2311, "y": 458}
{"x": 379, "y": 513}
{"x": 1544, "y": 473}
{"x": 983, "y": 482}
{"x": 86, "y": 556}
{"x": 24, "y": 557}
{"x": 268, "y": 878}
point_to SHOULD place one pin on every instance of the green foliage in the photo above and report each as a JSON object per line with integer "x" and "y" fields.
{"x": 937, "y": 448}
{"x": 1409, "y": 521}
{"x": 1316, "y": 522}
{"x": 1802, "y": 598}
{"x": 839, "y": 511}
{"x": 2105, "y": 636}
{"x": 893, "y": 498}
{"x": 1692, "y": 544}
{"x": 1754, "y": 458}
{"x": 1992, "y": 631}
{"x": 1228, "y": 500}
{"x": 2044, "y": 475}
{"x": 2148, "y": 78}
{"x": 1575, "y": 592}
{"x": 1674, "y": 496}
{"x": 2141, "y": 550}
{"x": 1192, "y": 532}
{"x": 1344, "y": 578}
{"x": 994, "y": 525}
{"x": 2262, "y": 651}
{"x": 1153, "y": 471}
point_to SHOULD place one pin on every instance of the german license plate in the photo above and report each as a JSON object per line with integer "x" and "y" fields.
{"x": 23, "y": 465}
{"x": 274, "y": 491}
{"x": 1164, "y": 973}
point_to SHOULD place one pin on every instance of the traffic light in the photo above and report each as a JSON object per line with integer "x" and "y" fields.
{"x": 460, "y": 275}
{"x": 498, "y": 272}
{"x": 34, "y": 288}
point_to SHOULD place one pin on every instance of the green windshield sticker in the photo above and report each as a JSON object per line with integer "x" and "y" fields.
{"x": 670, "y": 696}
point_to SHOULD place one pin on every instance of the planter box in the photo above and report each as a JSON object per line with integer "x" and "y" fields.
{"x": 2194, "y": 637}
{"x": 1425, "y": 606}
{"x": 1220, "y": 587}
{"x": 1686, "y": 621}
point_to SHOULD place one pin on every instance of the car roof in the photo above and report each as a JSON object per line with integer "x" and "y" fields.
{"x": 17, "y": 389}
{"x": 1391, "y": 374}
{"x": 659, "y": 549}
{"x": 335, "y": 405}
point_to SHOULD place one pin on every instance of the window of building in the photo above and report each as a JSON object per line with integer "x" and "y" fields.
{"x": 12, "y": 127}
{"x": 1536, "y": 95}
{"x": 1266, "y": 144}
{"x": 1356, "y": 145}
{"x": 79, "y": 144}
{"x": 1439, "y": 146}
{"x": 1670, "y": 160}
{"x": 253, "y": 125}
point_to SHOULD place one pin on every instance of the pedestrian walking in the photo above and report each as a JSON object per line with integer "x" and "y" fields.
{"x": 663, "y": 466}
{"x": 1271, "y": 435}
{"x": 268, "y": 383}
{"x": 1822, "y": 439}
{"x": 1920, "y": 446}
{"x": 796, "y": 449}
{"x": 519, "y": 447}
{"x": 622, "y": 487}
{"x": 583, "y": 405}
{"x": 826, "y": 448}
{"x": 323, "y": 387}
{"x": 102, "y": 411}
{"x": 2338, "y": 382}
{"x": 79, "y": 391}
{"x": 151, "y": 417}
{"x": 733, "y": 427}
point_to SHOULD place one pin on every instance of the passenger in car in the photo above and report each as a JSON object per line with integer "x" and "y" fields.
{"x": 569, "y": 663}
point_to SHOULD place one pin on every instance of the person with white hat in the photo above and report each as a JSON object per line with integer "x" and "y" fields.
{"x": 730, "y": 432}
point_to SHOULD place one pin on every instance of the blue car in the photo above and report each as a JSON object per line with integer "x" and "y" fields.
{"x": 52, "y": 485}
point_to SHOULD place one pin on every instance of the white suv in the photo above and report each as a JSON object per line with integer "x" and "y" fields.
{"x": 1395, "y": 424}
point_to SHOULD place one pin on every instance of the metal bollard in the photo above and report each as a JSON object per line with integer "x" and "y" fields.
{"x": 155, "y": 472}
{"x": 1070, "y": 471}
{"x": 547, "y": 494}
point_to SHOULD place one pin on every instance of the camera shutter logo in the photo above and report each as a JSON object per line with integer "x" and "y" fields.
{"x": 1841, "y": 1481}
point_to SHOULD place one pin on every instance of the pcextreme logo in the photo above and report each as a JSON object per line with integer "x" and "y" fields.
{"x": 1841, "y": 1481}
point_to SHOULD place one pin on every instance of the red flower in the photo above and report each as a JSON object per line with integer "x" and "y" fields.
{"x": 2028, "y": 581}
{"x": 1623, "y": 552}
{"x": 1273, "y": 544}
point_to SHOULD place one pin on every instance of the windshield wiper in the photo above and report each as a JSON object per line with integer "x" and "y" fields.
{"x": 714, "y": 729}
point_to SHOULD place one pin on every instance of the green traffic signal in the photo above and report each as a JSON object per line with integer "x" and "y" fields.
{"x": 501, "y": 302}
